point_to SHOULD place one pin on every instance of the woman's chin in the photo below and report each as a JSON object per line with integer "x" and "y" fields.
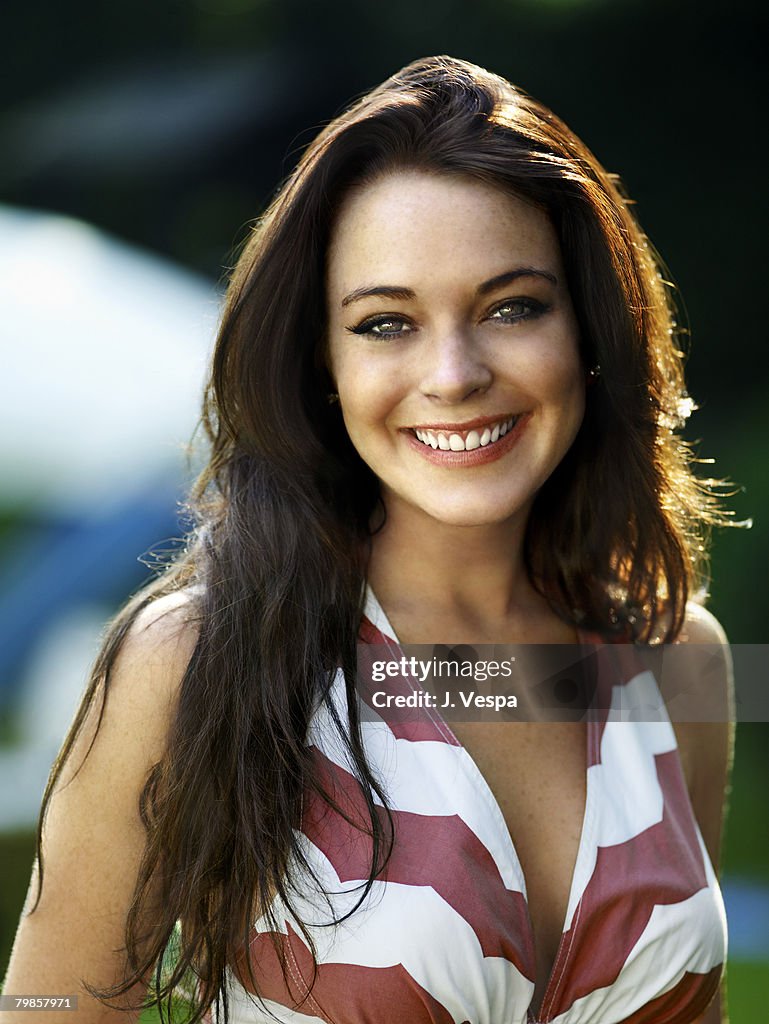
{"x": 460, "y": 514}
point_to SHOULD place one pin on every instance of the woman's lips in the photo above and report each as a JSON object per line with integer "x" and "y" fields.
{"x": 470, "y": 446}
{"x": 468, "y": 437}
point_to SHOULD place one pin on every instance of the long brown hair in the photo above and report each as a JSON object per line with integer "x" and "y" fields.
{"x": 275, "y": 565}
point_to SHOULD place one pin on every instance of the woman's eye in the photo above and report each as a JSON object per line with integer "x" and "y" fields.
{"x": 513, "y": 310}
{"x": 383, "y": 327}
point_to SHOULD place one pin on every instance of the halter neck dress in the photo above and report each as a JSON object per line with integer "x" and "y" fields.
{"x": 444, "y": 935}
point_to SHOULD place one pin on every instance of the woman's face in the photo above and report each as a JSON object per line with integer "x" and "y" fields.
{"x": 453, "y": 345}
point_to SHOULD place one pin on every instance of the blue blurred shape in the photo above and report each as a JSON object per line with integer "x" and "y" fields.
{"x": 66, "y": 562}
{"x": 747, "y": 909}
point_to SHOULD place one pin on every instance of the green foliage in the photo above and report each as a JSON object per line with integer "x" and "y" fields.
{"x": 17, "y": 852}
{"x": 747, "y": 987}
{"x": 746, "y": 845}
{"x": 180, "y": 1014}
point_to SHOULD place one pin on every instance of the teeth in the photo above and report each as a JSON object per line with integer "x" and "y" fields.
{"x": 456, "y": 443}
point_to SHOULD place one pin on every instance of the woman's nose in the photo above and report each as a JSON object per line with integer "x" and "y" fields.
{"x": 454, "y": 368}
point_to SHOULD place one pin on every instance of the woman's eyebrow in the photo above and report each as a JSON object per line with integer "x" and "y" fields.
{"x": 403, "y": 293}
{"x": 512, "y": 275}
{"x": 387, "y": 291}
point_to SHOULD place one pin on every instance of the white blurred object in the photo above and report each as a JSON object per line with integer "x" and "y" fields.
{"x": 104, "y": 349}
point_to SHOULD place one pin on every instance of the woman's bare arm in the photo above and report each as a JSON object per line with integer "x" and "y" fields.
{"x": 707, "y": 747}
{"x": 93, "y": 838}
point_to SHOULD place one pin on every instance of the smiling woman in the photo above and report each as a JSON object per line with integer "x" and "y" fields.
{"x": 443, "y": 409}
{"x": 473, "y": 354}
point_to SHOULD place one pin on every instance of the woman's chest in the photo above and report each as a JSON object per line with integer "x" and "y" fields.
{"x": 468, "y": 922}
{"x": 537, "y": 773}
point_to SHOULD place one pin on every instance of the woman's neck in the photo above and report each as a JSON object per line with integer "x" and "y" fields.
{"x": 468, "y": 583}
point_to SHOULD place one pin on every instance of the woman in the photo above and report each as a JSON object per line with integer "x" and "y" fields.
{"x": 442, "y": 409}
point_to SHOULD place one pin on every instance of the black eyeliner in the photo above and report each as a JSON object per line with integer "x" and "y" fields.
{"x": 534, "y": 308}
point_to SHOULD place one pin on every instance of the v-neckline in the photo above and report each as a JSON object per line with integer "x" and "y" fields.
{"x": 557, "y": 971}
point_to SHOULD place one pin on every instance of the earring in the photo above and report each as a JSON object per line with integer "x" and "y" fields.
{"x": 594, "y": 372}
{"x": 332, "y": 397}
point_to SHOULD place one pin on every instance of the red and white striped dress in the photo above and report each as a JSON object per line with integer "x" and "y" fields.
{"x": 445, "y": 934}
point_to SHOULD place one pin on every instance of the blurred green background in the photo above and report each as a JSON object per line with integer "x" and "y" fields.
{"x": 169, "y": 125}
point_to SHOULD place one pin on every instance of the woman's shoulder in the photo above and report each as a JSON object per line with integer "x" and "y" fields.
{"x": 694, "y": 671}
{"x": 150, "y": 663}
{"x": 698, "y": 688}
{"x": 142, "y": 683}
{"x": 163, "y": 634}
{"x": 703, "y": 661}
{"x": 135, "y": 689}
{"x": 701, "y": 626}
